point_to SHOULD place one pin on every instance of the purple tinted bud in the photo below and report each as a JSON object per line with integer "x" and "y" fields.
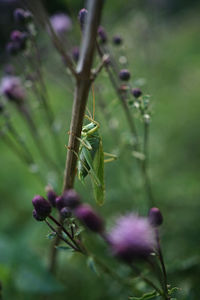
{"x": 12, "y": 88}
{"x": 117, "y": 40}
{"x": 42, "y": 206}
{"x": 60, "y": 202}
{"x": 37, "y": 216}
{"x": 155, "y": 216}
{"x": 88, "y": 216}
{"x": 132, "y": 238}
{"x": 82, "y": 16}
{"x": 19, "y": 39}
{"x": 75, "y": 53}
{"x": 71, "y": 198}
{"x": 51, "y": 196}
{"x": 124, "y": 75}
{"x": 61, "y": 23}
{"x": 136, "y": 92}
{"x": 65, "y": 213}
{"x": 102, "y": 35}
{"x": 21, "y": 16}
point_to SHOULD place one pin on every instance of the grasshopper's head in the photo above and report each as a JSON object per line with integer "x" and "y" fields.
{"x": 89, "y": 129}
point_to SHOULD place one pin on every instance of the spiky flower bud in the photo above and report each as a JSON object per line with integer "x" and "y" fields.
{"x": 132, "y": 238}
{"x": 60, "y": 202}
{"x": 75, "y": 53}
{"x": 102, "y": 35}
{"x": 155, "y": 216}
{"x": 89, "y": 217}
{"x": 124, "y": 74}
{"x": 136, "y": 92}
{"x": 37, "y": 216}
{"x": 117, "y": 40}
{"x": 12, "y": 88}
{"x": 71, "y": 199}
{"x": 61, "y": 23}
{"x": 82, "y": 16}
{"x": 42, "y": 206}
{"x": 51, "y": 195}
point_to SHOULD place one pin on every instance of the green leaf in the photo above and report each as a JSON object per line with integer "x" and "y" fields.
{"x": 98, "y": 164}
{"x": 146, "y": 296}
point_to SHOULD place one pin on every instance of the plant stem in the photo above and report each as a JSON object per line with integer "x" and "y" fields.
{"x": 144, "y": 166}
{"x": 83, "y": 83}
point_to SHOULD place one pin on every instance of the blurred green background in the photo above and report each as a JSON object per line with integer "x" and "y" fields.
{"x": 162, "y": 45}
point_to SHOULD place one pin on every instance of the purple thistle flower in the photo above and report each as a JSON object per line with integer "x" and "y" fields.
{"x": 75, "y": 53}
{"x": 41, "y": 206}
{"x": 102, "y": 35}
{"x": 12, "y": 88}
{"x": 71, "y": 199}
{"x": 82, "y": 16}
{"x": 61, "y": 23}
{"x": 132, "y": 238}
{"x": 51, "y": 195}
{"x": 136, "y": 92}
{"x": 155, "y": 217}
{"x": 89, "y": 217}
{"x": 124, "y": 75}
{"x": 117, "y": 40}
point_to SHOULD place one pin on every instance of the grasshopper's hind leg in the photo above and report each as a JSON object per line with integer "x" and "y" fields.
{"x": 111, "y": 156}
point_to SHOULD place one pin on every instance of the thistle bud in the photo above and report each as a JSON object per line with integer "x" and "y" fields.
{"x": 51, "y": 195}
{"x": 155, "y": 217}
{"x": 82, "y": 16}
{"x": 71, "y": 199}
{"x": 102, "y": 35}
{"x": 132, "y": 238}
{"x": 42, "y": 206}
{"x": 12, "y": 88}
{"x": 37, "y": 216}
{"x": 88, "y": 216}
{"x": 136, "y": 92}
{"x": 117, "y": 40}
{"x": 124, "y": 75}
{"x": 60, "y": 202}
{"x": 75, "y": 53}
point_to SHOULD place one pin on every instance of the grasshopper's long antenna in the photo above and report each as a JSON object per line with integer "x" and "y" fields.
{"x": 93, "y": 97}
{"x": 89, "y": 112}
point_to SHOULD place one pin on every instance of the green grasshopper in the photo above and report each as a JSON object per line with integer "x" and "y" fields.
{"x": 91, "y": 159}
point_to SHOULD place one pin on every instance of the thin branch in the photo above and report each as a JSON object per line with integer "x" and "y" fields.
{"x": 83, "y": 84}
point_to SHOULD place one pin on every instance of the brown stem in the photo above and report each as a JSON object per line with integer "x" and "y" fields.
{"x": 83, "y": 83}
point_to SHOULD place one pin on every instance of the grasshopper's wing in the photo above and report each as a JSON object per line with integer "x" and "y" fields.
{"x": 98, "y": 167}
{"x": 88, "y": 159}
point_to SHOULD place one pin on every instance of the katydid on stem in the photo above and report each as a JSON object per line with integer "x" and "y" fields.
{"x": 91, "y": 157}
